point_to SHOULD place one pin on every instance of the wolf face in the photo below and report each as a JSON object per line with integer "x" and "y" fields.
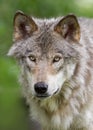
{"x": 46, "y": 52}
{"x": 46, "y": 78}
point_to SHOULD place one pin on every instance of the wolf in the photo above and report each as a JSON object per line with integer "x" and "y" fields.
{"x": 56, "y": 64}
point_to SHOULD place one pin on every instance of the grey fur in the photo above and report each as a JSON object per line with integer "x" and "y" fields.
{"x": 73, "y": 105}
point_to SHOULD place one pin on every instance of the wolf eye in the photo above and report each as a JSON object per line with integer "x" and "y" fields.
{"x": 56, "y": 59}
{"x": 32, "y": 58}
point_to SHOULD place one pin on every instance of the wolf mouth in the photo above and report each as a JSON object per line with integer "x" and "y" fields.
{"x": 42, "y": 96}
{"x": 46, "y": 95}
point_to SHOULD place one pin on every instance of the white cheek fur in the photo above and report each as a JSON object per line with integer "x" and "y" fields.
{"x": 55, "y": 82}
{"x": 31, "y": 82}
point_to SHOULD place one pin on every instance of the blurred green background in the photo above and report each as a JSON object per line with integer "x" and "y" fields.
{"x": 13, "y": 113}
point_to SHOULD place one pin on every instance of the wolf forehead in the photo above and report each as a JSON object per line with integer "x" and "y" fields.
{"x": 47, "y": 34}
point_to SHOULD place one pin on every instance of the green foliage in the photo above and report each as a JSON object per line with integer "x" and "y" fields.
{"x": 12, "y": 112}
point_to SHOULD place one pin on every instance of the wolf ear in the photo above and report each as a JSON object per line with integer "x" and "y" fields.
{"x": 69, "y": 28}
{"x": 24, "y": 26}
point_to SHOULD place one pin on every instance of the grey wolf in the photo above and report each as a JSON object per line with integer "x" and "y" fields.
{"x": 56, "y": 61}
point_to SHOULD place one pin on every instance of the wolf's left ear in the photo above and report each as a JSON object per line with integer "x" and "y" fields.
{"x": 24, "y": 26}
{"x": 69, "y": 28}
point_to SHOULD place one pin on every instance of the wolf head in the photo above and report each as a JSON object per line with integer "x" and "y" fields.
{"x": 46, "y": 51}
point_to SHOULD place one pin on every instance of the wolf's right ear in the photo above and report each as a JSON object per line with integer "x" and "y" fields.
{"x": 24, "y": 26}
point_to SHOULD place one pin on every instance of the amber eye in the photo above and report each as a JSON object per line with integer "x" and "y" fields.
{"x": 56, "y": 59}
{"x": 32, "y": 58}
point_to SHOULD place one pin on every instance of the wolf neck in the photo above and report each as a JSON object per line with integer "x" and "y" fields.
{"x": 55, "y": 111}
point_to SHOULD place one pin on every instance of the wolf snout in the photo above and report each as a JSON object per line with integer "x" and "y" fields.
{"x": 40, "y": 88}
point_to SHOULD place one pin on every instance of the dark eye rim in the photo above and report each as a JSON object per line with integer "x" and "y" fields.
{"x": 32, "y": 58}
{"x": 57, "y": 59}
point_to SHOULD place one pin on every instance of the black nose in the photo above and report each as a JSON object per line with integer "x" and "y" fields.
{"x": 40, "y": 88}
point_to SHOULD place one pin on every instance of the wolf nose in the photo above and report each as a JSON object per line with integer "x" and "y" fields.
{"x": 40, "y": 88}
